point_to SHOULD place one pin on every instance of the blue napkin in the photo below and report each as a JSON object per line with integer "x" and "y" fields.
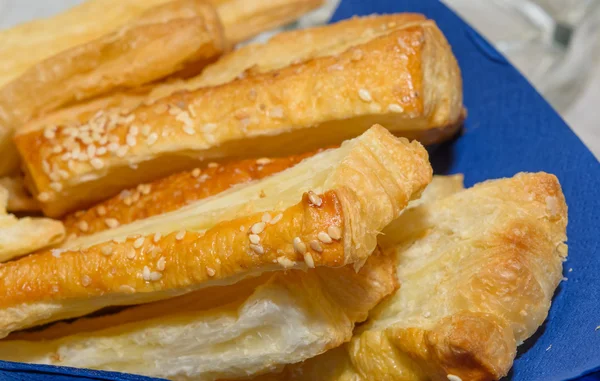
{"x": 510, "y": 128}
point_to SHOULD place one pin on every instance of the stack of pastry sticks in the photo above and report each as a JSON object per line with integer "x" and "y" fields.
{"x": 219, "y": 213}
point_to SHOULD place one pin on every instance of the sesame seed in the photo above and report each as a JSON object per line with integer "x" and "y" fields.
{"x": 212, "y": 165}
{"x": 57, "y": 252}
{"x": 91, "y": 151}
{"x": 314, "y": 199}
{"x": 263, "y": 161}
{"x": 276, "y": 219}
{"x": 56, "y": 186}
{"x": 146, "y": 273}
{"x": 266, "y": 218}
{"x": 452, "y": 377}
{"x": 130, "y": 140}
{"x": 127, "y": 201}
{"x": 285, "y": 262}
{"x": 375, "y": 107}
{"x": 130, "y": 253}
{"x": 210, "y": 271}
{"x": 106, "y": 250}
{"x": 44, "y": 197}
{"x": 180, "y": 235}
{"x": 196, "y": 172}
{"x": 299, "y": 246}
{"x": 111, "y": 223}
{"x": 138, "y": 242}
{"x": 46, "y": 166}
{"x": 258, "y": 227}
{"x": 86, "y": 281}
{"x": 127, "y": 289}
{"x": 83, "y": 226}
{"x": 161, "y": 108}
{"x": 97, "y": 163}
{"x": 146, "y": 130}
{"x": 161, "y": 263}
{"x": 242, "y": 228}
{"x": 365, "y": 95}
{"x": 258, "y": 249}
{"x": 133, "y": 130}
{"x": 309, "y": 260}
{"x": 395, "y": 108}
{"x": 426, "y": 314}
{"x": 101, "y": 210}
{"x": 189, "y": 130}
{"x": 324, "y": 237}
{"x": 57, "y": 149}
{"x": 152, "y": 138}
{"x": 203, "y": 178}
{"x": 144, "y": 188}
{"x": 334, "y": 232}
{"x": 101, "y": 151}
{"x": 255, "y": 239}
{"x": 49, "y": 133}
{"x": 316, "y": 246}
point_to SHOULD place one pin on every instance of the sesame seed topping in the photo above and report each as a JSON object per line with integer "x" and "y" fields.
{"x": 276, "y": 219}
{"x": 127, "y": 289}
{"x": 144, "y": 188}
{"x": 101, "y": 151}
{"x": 57, "y": 252}
{"x": 255, "y": 239}
{"x": 91, "y": 151}
{"x": 130, "y": 140}
{"x": 133, "y": 130}
{"x": 203, "y": 178}
{"x": 189, "y": 130}
{"x": 316, "y": 246}
{"x": 285, "y": 262}
{"x": 395, "y": 108}
{"x": 309, "y": 260}
{"x": 365, "y": 95}
{"x": 212, "y": 165}
{"x": 452, "y": 377}
{"x": 86, "y": 281}
{"x": 242, "y": 228}
{"x": 196, "y": 172}
{"x": 258, "y": 249}
{"x": 266, "y": 218}
{"x": 138, "y": 242}
{"x": 83, "y": 226}
{"x": 111, "y": 223}
{"x": 161, "y": 263}
{"x": 130, "y": 253}
{"x": 43, "y": 197}
{"x": 106, "y": 250}
{"x": 156, "y": 237}
{"x": 324, "y": 237}
{"x": 57, "y": 149}
{"x": 146, "y": 130}
{"x": 56, "y": 186}
{"x": 334, "y": 232}
{"x": 101, "y": 210}
{"x": 97, "y": 163}
{"x": 152, "y": 138}
{"x": 210, "y": 271}
{"x": 49, "y": 133}
{"x": 146, "y": 273}
{"x": 258, "y": 227}
{"x": 299, "y": 246}
{"x": 45, "y": 166}
{"x": 180, "y": 235}
{"x": 263, "y": 161}
{"x": 314, "y": 199}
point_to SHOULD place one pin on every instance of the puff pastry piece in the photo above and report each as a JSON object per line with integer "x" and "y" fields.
{"x": 258, "y": 115}
{"x": 173, "y": 192}
{"x": 20, "y": 236}
{"x": 19, "y": 199}
{"x": 325, "y": 211}
{"x": 178, "y": 36}
{"x": 478, "y": 270}
{"x": 228, "y": 332}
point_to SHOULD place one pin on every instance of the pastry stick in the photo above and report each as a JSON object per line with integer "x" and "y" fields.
{"x": 325, "y": 211}
{"x": 244, "y": 19}
{"x": 19, "y": 199}
{"x": 178, "y": 36}
{"x": 173, "y": 192}
{"x": 301, "y": 107}
{"x": 478, "y": 270}
{"x": 20, "y": 236}
{"x": 223, "y": 332}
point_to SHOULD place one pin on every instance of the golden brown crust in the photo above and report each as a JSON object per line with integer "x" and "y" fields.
{"x": 303, "y": 312}
{"x": 478, "y": 270}
{"x": 365, "y": 184}
{"x": 174, "y": 192}
{"x": 243, "y": 19}
{"x": 249, "y": 116}
{"x": 178, "y": 36}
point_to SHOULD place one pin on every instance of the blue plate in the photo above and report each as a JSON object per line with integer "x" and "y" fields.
{"x": 510, "y": 128}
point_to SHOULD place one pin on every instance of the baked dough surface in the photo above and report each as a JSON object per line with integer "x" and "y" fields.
{"x": 477, "y": 270}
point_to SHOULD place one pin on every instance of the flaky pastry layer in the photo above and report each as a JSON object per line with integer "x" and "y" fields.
{"x": 325, "y": 211}
{"x": 478, "y": 270}
{"x": 20, "y": 236}
{"x": 230, "y": 332}
{"x": 406, "y": 79}
{"x": 178, "y": 36}
{"x": 173, "y": 192}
